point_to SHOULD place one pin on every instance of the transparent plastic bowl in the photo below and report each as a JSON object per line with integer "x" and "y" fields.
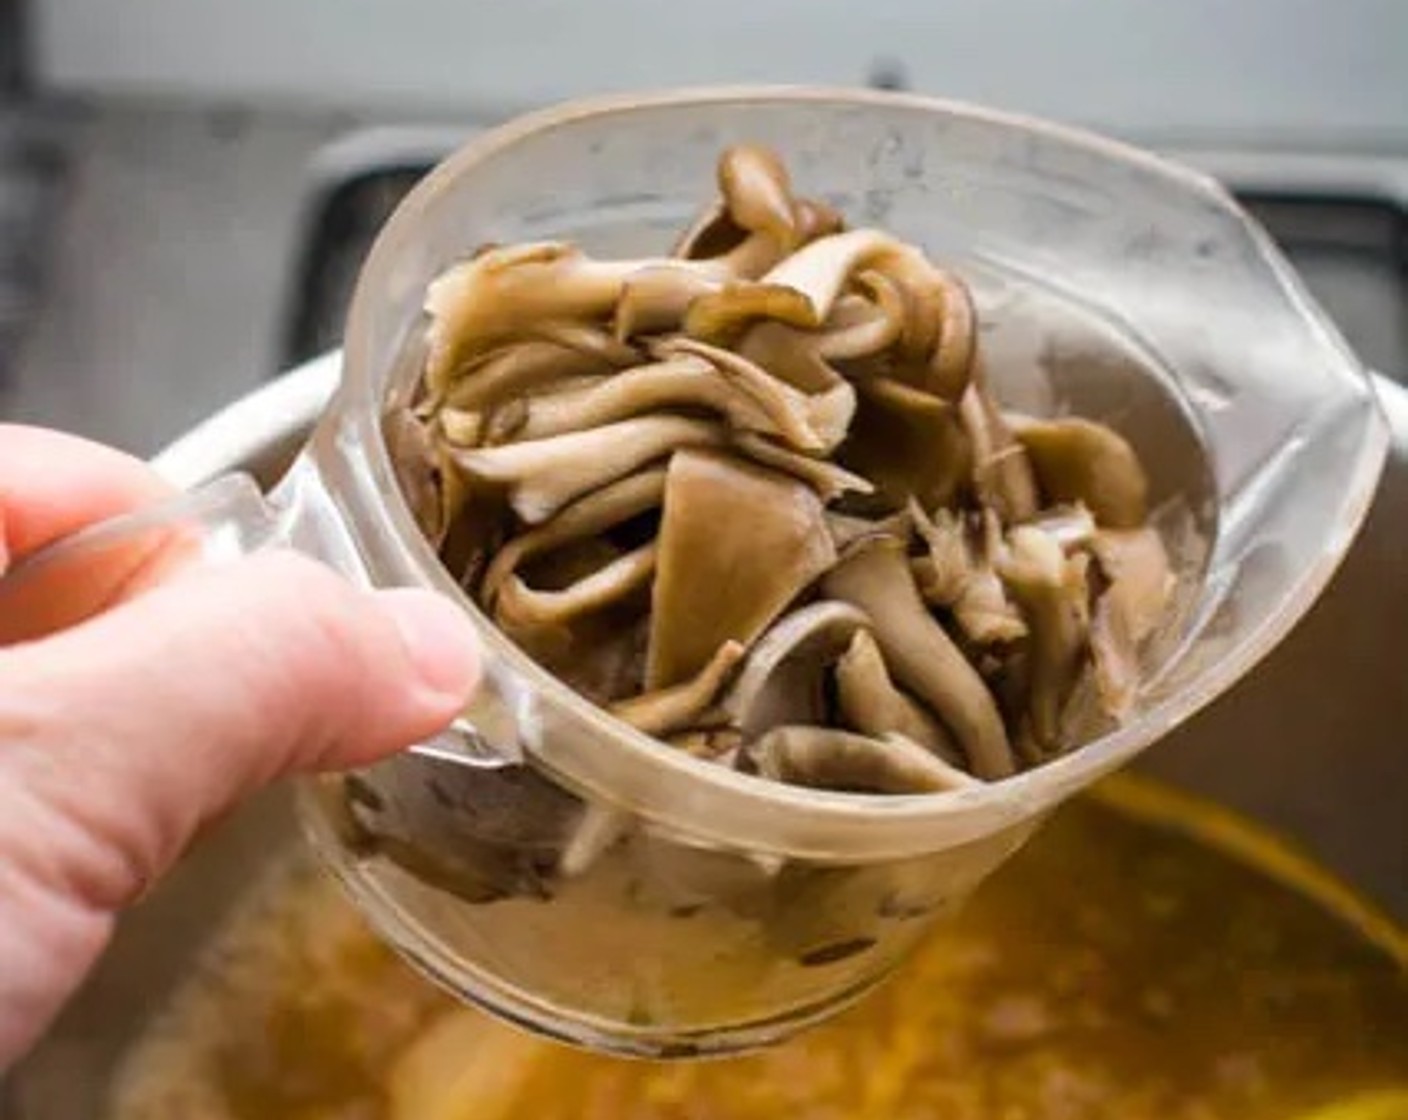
{"x": 582, "y": 879}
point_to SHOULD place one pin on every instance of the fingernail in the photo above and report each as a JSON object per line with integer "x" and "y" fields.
{"x": 439, "y": 640}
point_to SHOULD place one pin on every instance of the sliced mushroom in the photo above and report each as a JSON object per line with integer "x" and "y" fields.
{"x": 593, "y": 514}
{"x": 722, "y": 315}
{"x": 1081, "y": 461}
{"x": 1051, "y": 589}
{"x": 1002, "y": 475}
{"x": 655, "y": 299}
{"x": 506, "y": 294}
{"x": 820, "y": 269}
{"x": 825, "y": 477}
{"x": 681, "y": 382}
{"x": 680, "y": 706}
{"x": 790, "y": 355}
{"x": 962, "y": 579}
{"x": 544, "y": 475}
{"x": 519, "y": 605}
{"x": 938, "y": 346}
{"x": 872, "y": 705}
{"x": 860, "y": 327}
{"x": 783, "y": 680}
{"x": 592, "y": 342}
{"x": 909, "y": 443}
{"x": 507, "y": 373}
{"x": 1140, "y": 582}
{"x": 758, "y": 192}
{"x": 737, "y": 544}
{"x": 810, "y": 422}
{"x": 826, "y": 758}
{"x": 876, "y": 578}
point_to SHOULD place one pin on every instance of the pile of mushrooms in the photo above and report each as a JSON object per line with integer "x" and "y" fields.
{"x": 756, "y": 499}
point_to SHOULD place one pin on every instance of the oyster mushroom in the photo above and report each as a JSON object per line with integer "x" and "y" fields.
{"x": 783, "y": 681}
{"x": 655, "y": 299}
{"x": 721, "y": 315}
{"x": 1051, "y": 589}
{"x": 1081, "y": 461}
{"x": 737, "y": 544}
{"x": 757, "y": 222}
{"x": 680, "y": 706}
{"x": 1002, "y": 476}
{"x": 908, "y": 442}
{"x": 544, "y": 475}
{"x": 1135, "y": 566}
{"x": 590, "y": 515}
{"x": 519, "y": 605}
{"x": 825, "y": 758}
{"x": 860, "y": 327}
{"x": 810, "y": 422}
{"x": 937, "y": 349}
{"x": 758, "y": 192}
{"x": 963, "y": 580}
{"x": 825, "y": 477}
{"x": 510, "y": 293}
{"x": 872, "y": 705}
{"x": 684, "y": 381}
{"x": 819, "y": 270}
{"x": 517, "y": 368}
{"x": 876, "y": 578}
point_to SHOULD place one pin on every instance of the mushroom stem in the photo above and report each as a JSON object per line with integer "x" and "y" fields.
{"x": 872, "y": 704}
{"x": 1051, "y": 589}
{"x": 520, "y": 605}
{"x": 680, "y": 706}
{"x": 825, "y": 758}
{"x": 876, "y": 578}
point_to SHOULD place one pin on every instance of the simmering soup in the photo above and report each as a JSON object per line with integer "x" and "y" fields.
{"x": 1143, "y": 961}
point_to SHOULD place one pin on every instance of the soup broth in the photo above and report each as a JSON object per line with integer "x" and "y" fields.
{"x": 1141, "y": 961}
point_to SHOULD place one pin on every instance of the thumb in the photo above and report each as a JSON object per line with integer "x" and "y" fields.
{"x": 120, "y": 737}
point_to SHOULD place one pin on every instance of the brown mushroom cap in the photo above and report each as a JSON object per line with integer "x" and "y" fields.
{"x": 721, "y": 517}
{"x": 1081, "y": 461}
{"x": 783, "y": 680}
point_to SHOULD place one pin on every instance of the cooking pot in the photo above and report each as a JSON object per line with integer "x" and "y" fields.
{"x": 1311, "y": 744}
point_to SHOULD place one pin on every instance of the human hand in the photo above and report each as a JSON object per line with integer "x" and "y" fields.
{"x": 146, "y": 703}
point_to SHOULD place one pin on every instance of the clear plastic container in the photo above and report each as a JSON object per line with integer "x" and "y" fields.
{"x": 576, "y": 876}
